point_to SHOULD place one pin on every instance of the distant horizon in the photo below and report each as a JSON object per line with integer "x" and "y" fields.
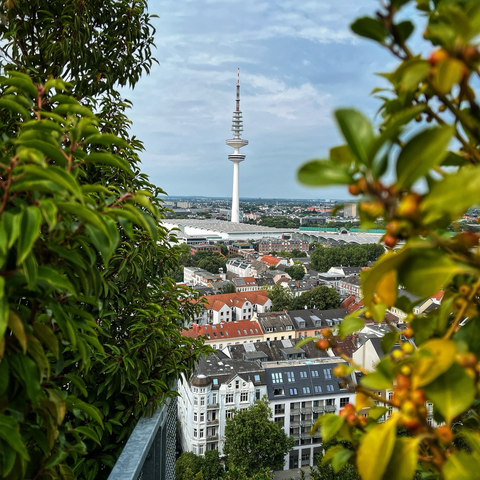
{"x": 165, "y": 197}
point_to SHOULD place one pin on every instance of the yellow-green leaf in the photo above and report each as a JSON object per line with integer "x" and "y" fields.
{"x": 403, "y": 462}
{"x": 16, "y": 326}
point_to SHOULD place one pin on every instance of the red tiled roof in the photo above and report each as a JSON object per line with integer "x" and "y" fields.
{"x": 438, "y": 295}
{"x": 270, "y": 260}
{"x": 225, "y": 330}
{"x": 355, "y": 306}
{"x": 216, "y": 302}
{"x": 348, "y": 301}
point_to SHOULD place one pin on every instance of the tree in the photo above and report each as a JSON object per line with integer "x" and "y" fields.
{"x": 210, "y": 261}
{"x": 297, "y": 272}
{"x": 253, "y": 441}
{"x": 90, "y": 322}
{"x": 444, "y": 158}
{"x": 228, "y": 288}
{"x": 280, "y": 297}
{"x": 296, "y": 253}
{"x": 212, "y": 467}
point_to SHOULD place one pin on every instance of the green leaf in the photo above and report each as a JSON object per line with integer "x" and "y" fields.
{"x": 358, "y": 132}
{"x": 109, "y": 159}
{"x": 323, "y": 173}
{"x": 376, "y": 381}
{"x": 461, "y": 466}
{"x": 46, "y": 335}
{"x": 4, "y": 376}
{"x": 340, "y": 459}
{"x": 435, "y": 357}
{"x": 445, "y": 391}
{"x": 30, "y": 230}
{"x": 56, "y": 175}
{"x": 423, "y": 152}
{"x": 16, "y": 326}
{"x": 331, "y": 424}
{"x": 90, "y": 410}
{"x": 85, "y": 213}
{"x": 23, "y": 84}
{"x": 4, "y": 308}
{"x": 350, "y": 325}
{"x": 89, "y": 433}
{"x": 14, "y": 107}
{"x": 12, "y": 436}
{"x": 51, "y": 276}
{"x": 405, "y": 29}
{"x": 447, "y": 74}
{"x": 106, "y": 139}
{"x": 13, "y": 222}
{"x": 469, "y": 334}
{"x": 378, "y": 444}
{"x": 78, "y": 382}
{"x": 27, "y": 372}
{"x": 403, "y": 462}
{"x": 453, "y": 195}
{"x": 369, "y": 28}
{"x": 429, "y": 270}
{"x": 389, "y": 340}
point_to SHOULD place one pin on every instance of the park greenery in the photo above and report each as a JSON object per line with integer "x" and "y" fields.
{"x": 419, "y": 169}
{"x": 321, "y": 298}
{"x": 296, "y": 271}
{"x": 90, "y": 322}
{"x": 324, "y": 258}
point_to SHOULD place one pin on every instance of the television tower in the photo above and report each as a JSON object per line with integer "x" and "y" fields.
{"x": 236, "y": 157}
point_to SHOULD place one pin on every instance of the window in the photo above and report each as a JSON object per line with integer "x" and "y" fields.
{"x": 257, "y": 394}
{"x": 303, "y": 374}
{"x": 256, "y": 378}
{"x": 344, "y": 401}
{"x": 314, "y": 373}
{"x": 277, "y": 377}
{"x": 200, "y": 450}
{"x": 195, "y": 400}
{"x": 202, "y": 400}
{"x": 244, "y": 397}
{"x": 245, "y": 332}
{"x": 215, "y": 380}
{"x": 229, "y": 398}
{"x": 290, "y": 376}
{"x": 317, "y": 389}
{"x": 306, "y": 389}
{"x": 237, "y": 384}
{"x": 327, "y": 372}
{"x": 228, "y": 414}
{"x": 280, "y": 408}
{"x": 201, "y": 432}
{"x": 214, "y": 398}
{"x": 202, "y": 417}
{"x": 330, "y": 388}
{"x": 195, "y": 432}
{"x": 293, "y": 391}
{"x": 195, "y": 418}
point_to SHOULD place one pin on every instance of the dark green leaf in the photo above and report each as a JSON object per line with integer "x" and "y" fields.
{"x": 369, "y": 28}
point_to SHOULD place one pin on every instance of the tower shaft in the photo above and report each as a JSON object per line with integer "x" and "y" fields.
{"x": 236, "y": 157}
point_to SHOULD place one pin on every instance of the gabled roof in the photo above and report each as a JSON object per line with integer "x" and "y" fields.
{"x": 258, "y": 297}
{"x": 225, "y": 330}
{"x": 270, "y": 260}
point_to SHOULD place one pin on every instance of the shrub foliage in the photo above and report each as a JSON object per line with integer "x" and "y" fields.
{"x": 419, "y": 178}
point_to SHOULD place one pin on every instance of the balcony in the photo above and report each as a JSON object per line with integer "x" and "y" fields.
{"x": 212, "y": 438}
{"x": 306, "y": 410}
{"x": 295, "y": 423}
{"x": 330, "y": 408}
{"x": 212, "y": 405}
{"x": 306, "y": 435}
{"x": 318, "y": 409}
{"x": 212, "y": 421}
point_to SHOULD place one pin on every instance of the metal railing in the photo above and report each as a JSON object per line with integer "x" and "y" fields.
{"x": 149, "y": 453}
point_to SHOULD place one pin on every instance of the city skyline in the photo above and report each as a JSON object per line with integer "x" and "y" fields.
{"x": 298, "y": 62}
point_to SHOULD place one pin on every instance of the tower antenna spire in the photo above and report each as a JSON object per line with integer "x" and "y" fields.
{"x": 236, "y": 157}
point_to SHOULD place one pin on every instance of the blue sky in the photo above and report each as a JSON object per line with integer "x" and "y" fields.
{"x": 298, "y": 62}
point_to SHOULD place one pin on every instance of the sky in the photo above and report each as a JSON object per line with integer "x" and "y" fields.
{"x": 298, "y": 62}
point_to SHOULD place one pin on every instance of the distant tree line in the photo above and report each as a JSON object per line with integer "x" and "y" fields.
{"x": 322, "y": 298}
{"x": 324, "y": 258}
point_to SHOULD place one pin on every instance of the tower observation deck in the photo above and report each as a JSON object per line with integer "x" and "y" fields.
{"x": 236, "y": 157}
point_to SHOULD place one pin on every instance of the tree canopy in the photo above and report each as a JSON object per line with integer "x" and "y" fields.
{"x": 254, "y": 442}
{"x": 417, "y": 168}
{"x": 324, "y": 258}
{"x": 90, "y": 322}
{"x": 322, "y": 298}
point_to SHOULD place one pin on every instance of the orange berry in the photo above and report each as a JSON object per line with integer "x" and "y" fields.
{"x": 444, "y": 433}
{"x": 326, "y": 332}
{"x": 408, "y": 206}
{"x": 323, "y": 344}
{"x": 437, "y": 56}
{"x": 408, "y": 333}
{"x": 403, "y": 381}
{"x": 352, "y": 419}
{"x": 354, "y": 189}
{"x": 390, "y": 241}
{"x": 418, "y": 397}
